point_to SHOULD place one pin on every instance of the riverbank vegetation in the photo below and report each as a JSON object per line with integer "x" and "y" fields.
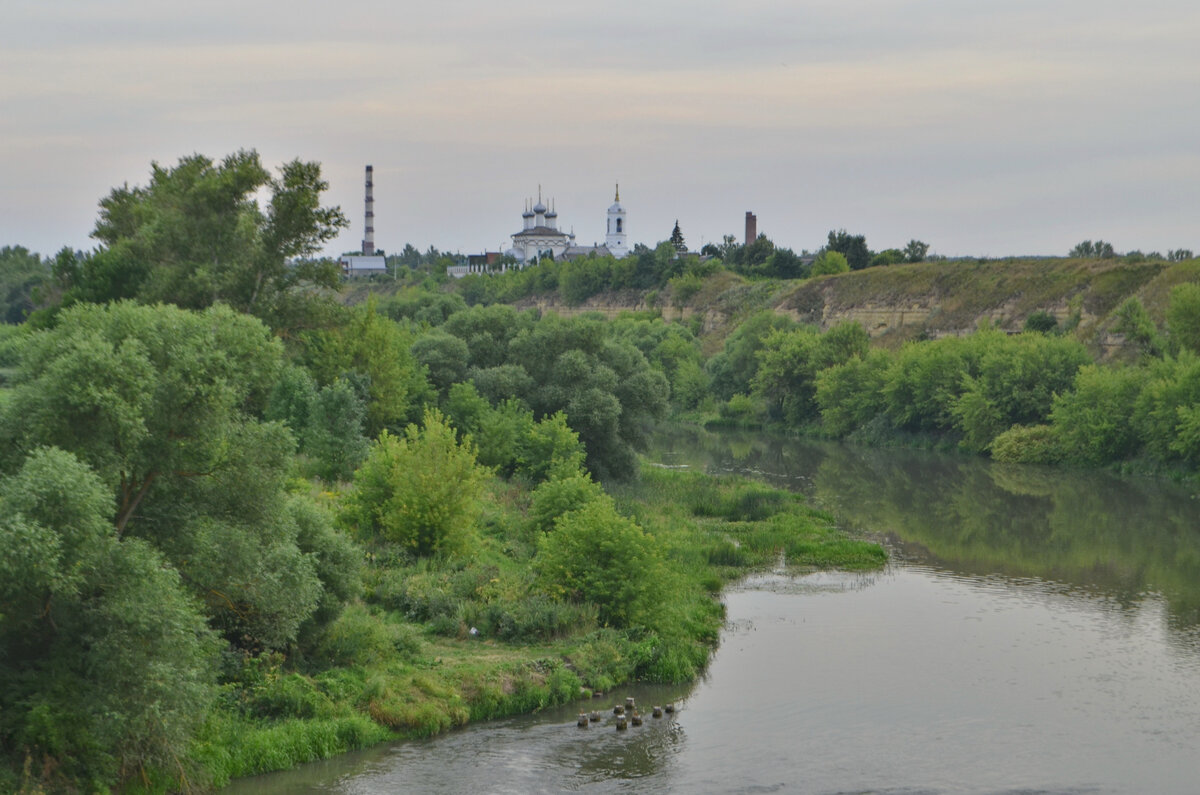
{"x": 248, "y": 522}
{"x": 245, "y": 525}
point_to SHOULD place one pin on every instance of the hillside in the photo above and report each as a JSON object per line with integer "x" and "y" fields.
{"x": 903, "y": 302}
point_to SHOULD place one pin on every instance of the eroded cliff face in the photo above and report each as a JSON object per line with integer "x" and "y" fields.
{"x": 926, "y": 300}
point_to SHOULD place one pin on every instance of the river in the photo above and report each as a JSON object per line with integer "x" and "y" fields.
{"x": 1037, "y": 631}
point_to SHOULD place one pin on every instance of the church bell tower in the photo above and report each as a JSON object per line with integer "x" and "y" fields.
{"x": 616, "y": 237}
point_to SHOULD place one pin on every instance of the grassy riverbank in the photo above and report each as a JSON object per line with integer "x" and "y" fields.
{"x": 403, "y": 662}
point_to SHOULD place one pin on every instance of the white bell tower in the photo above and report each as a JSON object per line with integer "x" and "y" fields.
{"x": 616, "y": 237}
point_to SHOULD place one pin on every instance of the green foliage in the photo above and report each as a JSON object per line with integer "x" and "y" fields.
{"x": 362, "y": 637}
{"x": 509, "y": 440}
{"x": 926, "y": 380}
{"x": 375, "y": 351}
{"x": 1017, "y": 380}
{"x": 1183, "y": 317}
{"x": 560, "y": 496}
{"x": 196, "y": 236}
{"x": 916, "y": 251}
{"x": 850, "y": 394}
{"x": 422, "y": 306}
{"x": 1041, "y": 322}
{"x": 487, "y": 331}
{"x": 830, "y": 262}
{"x": 444, "y": 356}
{"x": 1020, "y": 444}
{"x": 106, "y": 660}
{"x": 421, "y": 491}
{"x": 605, "y": 386}
{"x": 551, "y": 448}
{"x": 1136, "y": 324}
{"x": 1092, "y": 420}
{"x": 789, "y": 363}
{"x": 1092, "y": 249}
{"x": 852, "y": 247}
{"x": 1164, "y": 413}
{"x": 334, "y": 436}
{"x": 597, "y": 556}
{"x": 733, "y": 369}
{"x": 142, "y": 394}
{"x": 23, "y": 277}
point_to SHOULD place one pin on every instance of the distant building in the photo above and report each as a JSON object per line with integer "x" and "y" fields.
{"x": 580, "y": 252}
{"x": 751, "y": 227}
{"x": 488, "y": 262}
{"x": 540, "y": 235}
{"x": 617, "y": 236}
{"x": 358, "y": 265}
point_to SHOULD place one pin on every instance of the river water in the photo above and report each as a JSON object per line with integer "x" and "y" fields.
{"x": 1037, "y": 631}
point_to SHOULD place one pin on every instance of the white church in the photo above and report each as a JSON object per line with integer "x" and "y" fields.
{"x": 541, "y": 236}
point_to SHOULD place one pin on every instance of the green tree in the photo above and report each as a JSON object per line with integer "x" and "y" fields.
{"x": 677, "y": 239}
{"x": 830, "y": 262}
{"x": 196, "y": 235}
{"x": 557, "y": 497}
{"x": 1092, "y": 420}
{"x": 852, "y": 247}
{"x": 915, "y": 251}
{"x": 1165, "y": 413}
{"x": 733, "y": 369}
{"x": 608, "y": 391}
{"x": 107, "y": 665}
{"x": 790, "y": 361}
{"x": 889, "y": 256}
{"x": 444, "y": 356}
{"x": 163, "y": 404}
{"x": 850, "y": 394}
{"x": 23, "y": 274}
{"x": 142, "y": 394}
{"x": 1018, "y": 378}
{"x": 595, "y": 555}
{"x": 1098, "y": 249}
{"x": 334, "y": 436}
{"x": 1183, "y": 316}
{"x": 379, "y": 352}
{"x": 422, "y": 491}
{"x": 1135, "y": 323}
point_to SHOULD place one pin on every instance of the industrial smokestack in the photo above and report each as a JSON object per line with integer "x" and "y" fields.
{"x": 751, "y": 227}
{"x": 368, "y": 244}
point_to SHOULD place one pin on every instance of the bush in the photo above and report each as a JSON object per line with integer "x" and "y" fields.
{"x": 1020, "y": 444}
{"x": 421, "y": 491}
{"x": 556, "y": 498}
{"x": 358, "y": 637}
{"x": 596, "y": 555}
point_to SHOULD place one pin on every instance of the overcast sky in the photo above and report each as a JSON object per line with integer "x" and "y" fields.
{"x": 983, "y": 127}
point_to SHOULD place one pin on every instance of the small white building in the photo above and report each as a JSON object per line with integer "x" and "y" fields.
{"x": 358, "y": 265}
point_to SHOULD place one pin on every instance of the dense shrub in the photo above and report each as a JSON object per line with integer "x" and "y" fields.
{"x": 596, "y": 555}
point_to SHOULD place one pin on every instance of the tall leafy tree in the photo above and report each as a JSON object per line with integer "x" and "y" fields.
{"x": 164, "y": 405}
{"x": 22, "y": 274}
{"x": 106, "y": 663}
{"x": 852, "y": 247}
{"x": 196, "y": 235}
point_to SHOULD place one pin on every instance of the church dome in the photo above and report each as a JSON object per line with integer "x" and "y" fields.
{"x": 539, "y": 207}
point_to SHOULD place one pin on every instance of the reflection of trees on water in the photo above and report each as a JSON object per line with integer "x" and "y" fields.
{"x": 1121, "y": 537}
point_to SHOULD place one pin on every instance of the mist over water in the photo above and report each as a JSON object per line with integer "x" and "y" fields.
{"x": 1036, "y": 632}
